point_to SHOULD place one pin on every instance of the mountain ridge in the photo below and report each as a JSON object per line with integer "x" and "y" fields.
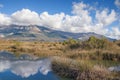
{"x": 34, "y": 32}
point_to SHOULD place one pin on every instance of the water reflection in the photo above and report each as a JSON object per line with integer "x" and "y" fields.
{"x": 114, "y": 68}
{"x": 26, "y": 69}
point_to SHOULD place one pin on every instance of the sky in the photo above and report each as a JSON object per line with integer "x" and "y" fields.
{"x": 77, "y": 16}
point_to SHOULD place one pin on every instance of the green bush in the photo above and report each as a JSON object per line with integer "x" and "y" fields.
{"x": 95, "y": 43}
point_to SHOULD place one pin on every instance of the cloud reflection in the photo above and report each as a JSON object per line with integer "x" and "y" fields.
{"x": 26, "y": 68}
{"x": 4, "y": 65}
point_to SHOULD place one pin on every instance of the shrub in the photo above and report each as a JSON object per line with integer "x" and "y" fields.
{"x": 95, "y": 43}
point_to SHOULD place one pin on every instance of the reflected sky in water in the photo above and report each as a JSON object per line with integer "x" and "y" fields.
{"x": 26, "y": 70}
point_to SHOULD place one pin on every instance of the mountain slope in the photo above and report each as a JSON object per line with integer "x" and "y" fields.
{"x": 34, "y": 32}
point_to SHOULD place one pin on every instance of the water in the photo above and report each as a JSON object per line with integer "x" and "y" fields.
{"x": 12, "y": 68}
{"x": 114, "y": 68}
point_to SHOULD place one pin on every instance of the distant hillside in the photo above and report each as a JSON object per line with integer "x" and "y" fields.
{"x": 41, "y": 33}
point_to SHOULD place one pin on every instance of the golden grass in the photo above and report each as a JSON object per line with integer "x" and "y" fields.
{"x": 66, "y": 60}
{"x": 46, "y": 49}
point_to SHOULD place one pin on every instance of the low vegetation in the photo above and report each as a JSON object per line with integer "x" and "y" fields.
{"x": 73, "y": 59}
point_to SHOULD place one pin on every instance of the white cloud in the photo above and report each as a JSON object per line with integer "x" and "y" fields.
{"x": 117, "y": 3}
{"x": 80, "y": 9}
{"x": 75, "y": 24}
{"x": 115, "y": 33}
{"x": 51, "y": 21}
{"x": 4, "y": 19}
{"x": 26, "y": 68}
{"x": 25, "y": 17}
{"x": 104, "y": 18}
{"x": 79, "y": 22}
{"x": 81, "y": 19}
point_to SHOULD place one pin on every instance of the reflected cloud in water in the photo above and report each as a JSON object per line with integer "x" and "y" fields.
{"x": 4, "y": 65}
{"x": 26, "y": 68}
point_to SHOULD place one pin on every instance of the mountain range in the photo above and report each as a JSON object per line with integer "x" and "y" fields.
{"x": 34, "y": 32}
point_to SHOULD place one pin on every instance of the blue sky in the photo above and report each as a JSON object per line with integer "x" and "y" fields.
{"x": 51, "y": 6}
{"x": 99, "y": 16}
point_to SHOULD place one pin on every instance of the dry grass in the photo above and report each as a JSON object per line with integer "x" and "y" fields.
{"x": 35, "y": 48}
{"x": 73, "y": 62}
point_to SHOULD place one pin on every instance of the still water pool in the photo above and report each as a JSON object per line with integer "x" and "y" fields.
{"x": 24, "y": 69}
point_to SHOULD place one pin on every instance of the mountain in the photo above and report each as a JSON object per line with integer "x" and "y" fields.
{"x": 33, "y": 32}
